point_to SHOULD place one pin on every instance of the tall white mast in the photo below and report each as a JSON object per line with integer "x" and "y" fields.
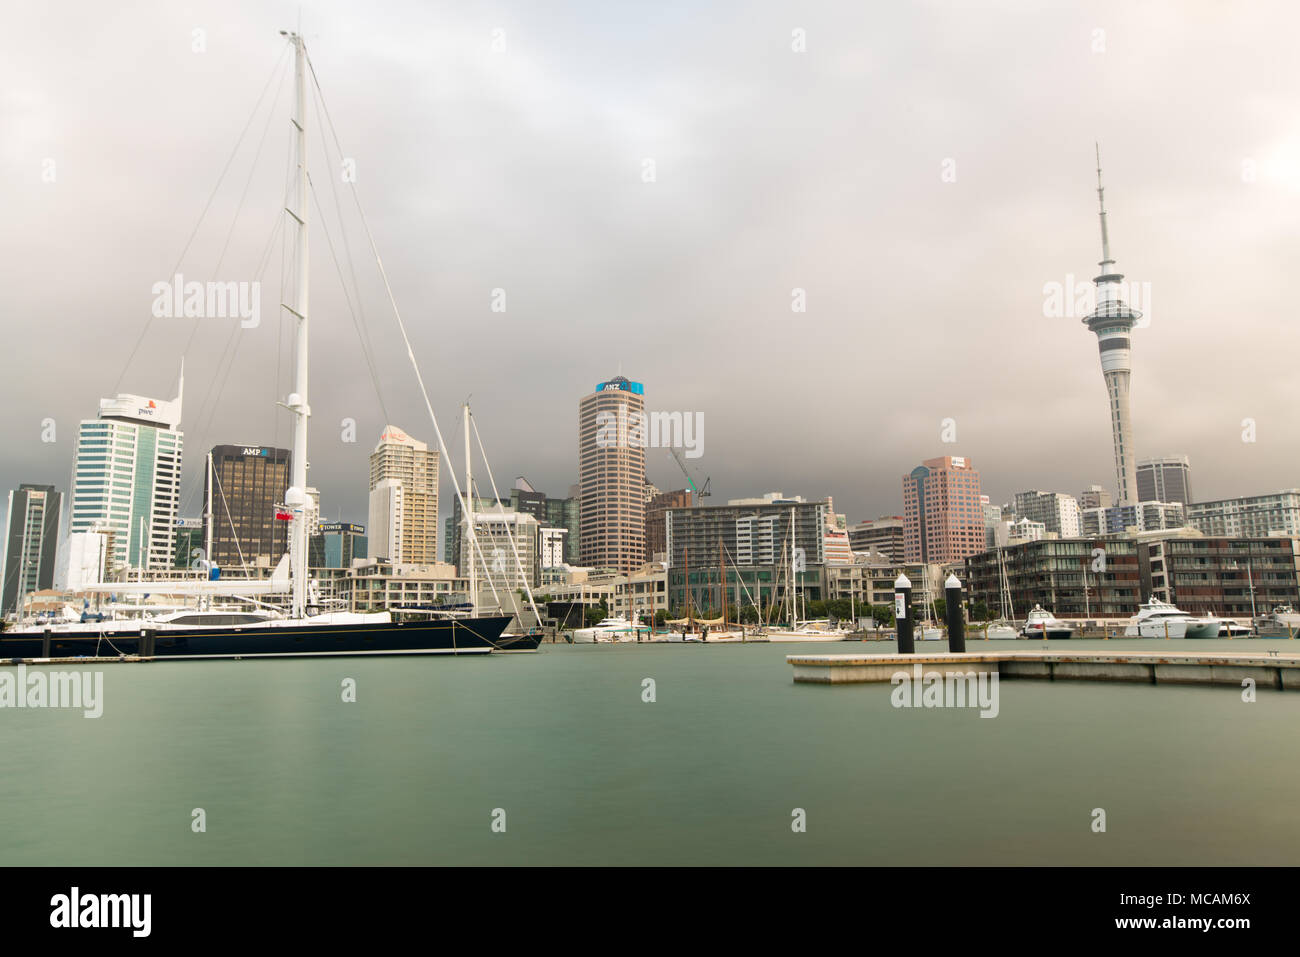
{"x": 469, "y": 518}
{"x": 296, "y": 497}
{"x": 207, "y": 532}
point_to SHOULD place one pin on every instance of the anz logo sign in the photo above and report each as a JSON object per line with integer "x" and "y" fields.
{"x": 253, "y": 451}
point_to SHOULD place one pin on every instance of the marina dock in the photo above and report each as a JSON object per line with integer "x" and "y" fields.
{"x": 1280, "y": 672}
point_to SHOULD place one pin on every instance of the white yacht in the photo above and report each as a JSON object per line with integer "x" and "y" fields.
{"x": 610, "y": 629}
{"x": 1041, "y": 623}
{"x": 1159, "y": 619}
{"x": 1000, "y": 630}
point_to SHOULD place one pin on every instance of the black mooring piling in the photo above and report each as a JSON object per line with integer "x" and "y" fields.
{"x": 953, "y": 613}
{"x": 903, "y": 615}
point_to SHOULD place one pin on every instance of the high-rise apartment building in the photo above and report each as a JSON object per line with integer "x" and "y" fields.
{"x": 611, "y": 475}
{"x": 656, "y": 533}
{"x": 126, "y": 478}
{"x": 943, "y": 517}
{"x": 508, "y": 554}
{"x": 1134, "y": 517}
{"x": 249, "y": 482}
{"x": 1251, "y": 516}
{"x": 884, "y": 535}
{"x": 1167, "y": 479}
{"x": 31, "y": 542}
{"x": 403, "y": 517}
{"x": 1094, "y": 496}
{"x": 1056, "y": 511}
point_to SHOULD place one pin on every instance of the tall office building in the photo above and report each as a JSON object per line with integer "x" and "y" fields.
{"x": 247, "y": 493}
{"x": 337, "y": 545}
{"x": 403, "y": 500}
{"x": 1167, "y": 479}
{"x": 611, "y": 474}
{"x": 126, "y": 478}
{"x": 943, "y": 517}
{"x": 31, "y": 542}
{"x": 1112, "y": 321}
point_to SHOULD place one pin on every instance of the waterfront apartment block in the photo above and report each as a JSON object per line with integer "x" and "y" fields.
{"x": 403, "y": 513}
{"x": 384, "y": 586}
{"x": 1066, "y": 576}
{"x": 744, "y": 588}
{"x": 1252, "y": 516}
{"x": 643, "y": 593}
{"x": 126, "y": 477}
{"x": 751, "y": 532}
{"x": 1233, "y": 577}
{"x": 1058, "y": 512}
{"x": 943, "y": 518}
{"x": 249, "y": 483}
{"x": 884, "y": 534}
{"x": 872, "y": 582}
{"x": 31, "y": 543}
{"x": 611, "y": 475}
{"x": 1167, "y": 479}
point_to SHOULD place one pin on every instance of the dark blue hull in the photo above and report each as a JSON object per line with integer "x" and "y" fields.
{"x": 435, "y": 637}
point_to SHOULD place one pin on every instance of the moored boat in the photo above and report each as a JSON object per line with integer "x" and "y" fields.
{"x": 1160, "y": 619}
{"x": 1041, "y": 623}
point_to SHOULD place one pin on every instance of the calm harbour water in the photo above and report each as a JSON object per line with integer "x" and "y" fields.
{"x": 588, "y": 773}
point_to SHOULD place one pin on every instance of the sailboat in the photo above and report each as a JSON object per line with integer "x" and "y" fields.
{"x": 305, "y": 629}
{"x": 928, "y": 628}
{"x": 1004, "y": 628}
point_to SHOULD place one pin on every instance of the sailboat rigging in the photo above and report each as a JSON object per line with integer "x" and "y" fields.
{"x": 305, "y": 629}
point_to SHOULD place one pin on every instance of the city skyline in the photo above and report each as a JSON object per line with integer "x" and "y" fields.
{"x": 866, "y": 225}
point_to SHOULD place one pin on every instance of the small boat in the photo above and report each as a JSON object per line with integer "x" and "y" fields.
{"x": 1281, "y": 622}
{"x": 1231, "y": 629}
{"x": 1041, "y": 623}
{"x": 1000, "y": 631}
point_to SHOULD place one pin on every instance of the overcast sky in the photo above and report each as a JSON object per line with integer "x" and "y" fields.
{"x": 523, "y": 169}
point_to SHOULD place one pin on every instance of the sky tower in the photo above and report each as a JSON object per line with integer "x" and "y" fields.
{"x": 1113, "y": 322}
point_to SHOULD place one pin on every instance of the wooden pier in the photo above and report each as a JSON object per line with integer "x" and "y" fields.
{"x": 1269, "y": 670}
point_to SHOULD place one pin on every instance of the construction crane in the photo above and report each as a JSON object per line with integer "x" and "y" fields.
{"x": 699, "y": 492}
